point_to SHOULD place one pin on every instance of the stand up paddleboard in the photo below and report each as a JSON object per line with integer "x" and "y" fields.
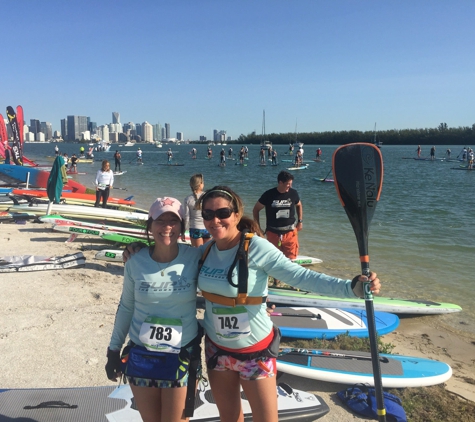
{"x": 119, "y": 173}
{"x": 302, "y": 167}
{"x": 324, "y": 180}
{"x": 385, "y": 304}
{"x": 25, "y": 263}
{"x": 313, "y": 323}
{"x": 293, "y": 405}
{"x": 349, "y": 367}
{"x": 306, "y": 260}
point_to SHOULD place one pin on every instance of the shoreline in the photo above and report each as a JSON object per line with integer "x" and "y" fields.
{"x": 57, "y": 324}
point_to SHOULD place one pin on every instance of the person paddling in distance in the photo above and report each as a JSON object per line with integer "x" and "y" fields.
{"x": 104, "y": 182}
{"x": 192, "y": 218}
{"x": 157, "y": 310}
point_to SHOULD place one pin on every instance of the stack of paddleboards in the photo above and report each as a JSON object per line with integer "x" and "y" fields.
{"x": 80, "y": 211}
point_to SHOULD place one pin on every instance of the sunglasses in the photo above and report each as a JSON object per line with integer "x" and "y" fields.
{"x": 220, "y": 213}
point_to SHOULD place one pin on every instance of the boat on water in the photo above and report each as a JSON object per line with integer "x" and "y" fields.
{"x": 376, "y": 141}
{"x": 129, "y": 144}
{"x": 158, "y": 144}
{"x": 265, "y": 143}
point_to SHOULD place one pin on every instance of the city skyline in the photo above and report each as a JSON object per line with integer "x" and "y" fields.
{"x": 314, "y": 66}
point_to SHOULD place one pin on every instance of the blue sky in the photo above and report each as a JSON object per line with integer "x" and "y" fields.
{"x": 207, "y": 64}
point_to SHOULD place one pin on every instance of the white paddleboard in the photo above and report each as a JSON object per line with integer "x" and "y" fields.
{"x": 293, "y": 405}
{"x": 306, "y": 260}
{"x": 356, "y": 367}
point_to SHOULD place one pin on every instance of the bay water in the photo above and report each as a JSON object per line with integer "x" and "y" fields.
{"x": 421, "y": 241}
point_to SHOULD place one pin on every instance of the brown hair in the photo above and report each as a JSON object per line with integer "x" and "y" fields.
{"x": 104, "y": 164}
{"x": 236, "y": 204}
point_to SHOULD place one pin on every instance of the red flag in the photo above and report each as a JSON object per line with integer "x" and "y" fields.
{"x": 21, "y": 123}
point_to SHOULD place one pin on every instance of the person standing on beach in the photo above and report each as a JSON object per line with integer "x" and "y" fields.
{"x": 157, "y": 310}
{"x": 282, "y": 203}
{"x": 104, "y": 182}
{"x": 192, "y": 215}
{"x": 243, "y": 354}
{"x": 241, "y": 342}
{"x": 117, "y": 159}
{"x": 74, "y": 163}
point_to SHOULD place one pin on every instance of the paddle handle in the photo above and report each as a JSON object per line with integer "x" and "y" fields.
{"x": 378, "y": 384}
{"x": 317, "y": 316}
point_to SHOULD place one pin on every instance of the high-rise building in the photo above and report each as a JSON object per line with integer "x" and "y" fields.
{"x": 92, "y": 127}
{"x": 76, "y": 126}
{"x": 35, "y": 126}
{"x": 157, "y": 132}
{"x": 116, "y": 117}
{"x": 163, "y": 133}
{"x": 64, "y": 129}
{"x": 167, "y": 130}
{"x": 47, "y": 129}
{"x": 147, "y": 132}
{"x": 179, "y": 136}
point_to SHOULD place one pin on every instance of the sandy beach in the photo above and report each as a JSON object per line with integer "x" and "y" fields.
{"x": 56, "y": 324}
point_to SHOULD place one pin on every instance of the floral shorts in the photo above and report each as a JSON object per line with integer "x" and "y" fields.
{"x": 249, "y": 370}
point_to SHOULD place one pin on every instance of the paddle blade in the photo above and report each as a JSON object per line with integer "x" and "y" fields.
{"x": 358, "y": 175}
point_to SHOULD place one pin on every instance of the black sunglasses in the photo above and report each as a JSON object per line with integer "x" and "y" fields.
{"x": 221, "y": 213}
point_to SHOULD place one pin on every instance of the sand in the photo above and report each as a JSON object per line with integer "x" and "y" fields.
{"x": 56, "y": 324}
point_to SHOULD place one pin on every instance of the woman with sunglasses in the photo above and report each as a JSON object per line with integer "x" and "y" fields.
{"x": 193, "y": 219}
{"x": 157, "y": 310}
{"x": 241, "y": 340}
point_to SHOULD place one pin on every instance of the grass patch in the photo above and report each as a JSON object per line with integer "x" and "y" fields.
{"x": 425, "y": 404}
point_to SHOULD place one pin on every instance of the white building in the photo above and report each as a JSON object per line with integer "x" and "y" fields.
{"x": 40, "y": 137}
{"x": 147, "y": 132}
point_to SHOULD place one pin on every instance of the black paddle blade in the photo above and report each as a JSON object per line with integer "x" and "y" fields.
{"x": 358, "y": 174}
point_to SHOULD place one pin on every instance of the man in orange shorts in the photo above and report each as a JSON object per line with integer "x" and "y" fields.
{"x": 282, "y": 206}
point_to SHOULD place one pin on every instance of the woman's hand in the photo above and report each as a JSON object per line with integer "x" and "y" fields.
{"x": 131, "y": 249}
{"x": 375, "y": 284}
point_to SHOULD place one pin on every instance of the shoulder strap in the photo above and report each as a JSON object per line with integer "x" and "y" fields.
{"x": 205, "y": 254}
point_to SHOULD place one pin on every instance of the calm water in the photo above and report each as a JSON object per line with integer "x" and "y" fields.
{"x": 421, "y": 242}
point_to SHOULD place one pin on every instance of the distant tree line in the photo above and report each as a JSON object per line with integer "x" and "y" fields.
{"x": 442, "y": 135}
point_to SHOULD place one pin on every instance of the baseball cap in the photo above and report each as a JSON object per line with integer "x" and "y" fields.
{"x": 166, "y": 204}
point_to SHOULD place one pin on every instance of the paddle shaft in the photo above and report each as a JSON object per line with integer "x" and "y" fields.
{"x": 325, "y": 178}
{"x": 317, "y": 316}
{"x": 313, "y": 352}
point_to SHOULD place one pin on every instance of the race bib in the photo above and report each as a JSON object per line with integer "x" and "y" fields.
{"x": 161, "y": 334}
{"x": 101, "y": 186}
{"x": 231, "y": 323}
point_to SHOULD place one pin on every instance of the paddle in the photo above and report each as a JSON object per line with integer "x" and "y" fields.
{"x": 358, "y": 174}
{"x": 326, "y": 353}
{"x": 325, "y": 178}
{"x": 317, "y": 316}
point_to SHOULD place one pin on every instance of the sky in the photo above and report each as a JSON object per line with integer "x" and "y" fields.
{"x": 200, "y": 65}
